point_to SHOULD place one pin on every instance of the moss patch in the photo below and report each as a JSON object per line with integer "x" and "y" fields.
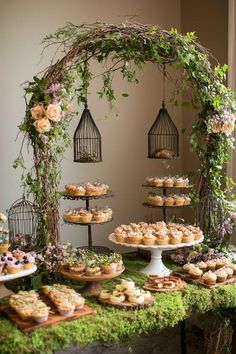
{"x": 113, "y": 325}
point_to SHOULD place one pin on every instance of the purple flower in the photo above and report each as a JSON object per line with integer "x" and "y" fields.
{"x": 53, "y": 88}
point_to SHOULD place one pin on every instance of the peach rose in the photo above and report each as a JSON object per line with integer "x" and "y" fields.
{"x": 42, "y": 125}
{"x": 216, "y": 128}
{"x": 37, "y": 112}
{"x": 53, "y": 112}
{"x": 228, "y": 128}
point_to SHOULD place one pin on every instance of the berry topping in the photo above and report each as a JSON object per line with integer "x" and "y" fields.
{"x": 9, "y": 258}
{"x": 26, "y": 261}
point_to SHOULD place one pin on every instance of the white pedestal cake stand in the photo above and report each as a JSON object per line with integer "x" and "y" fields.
{"x": 156, "y": 266}
{"x": 8, "y": 277}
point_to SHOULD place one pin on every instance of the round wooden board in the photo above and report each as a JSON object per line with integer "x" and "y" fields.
{"x": 179, "y": 287}
{"x": 127, "y": 306}
{"x": 96, "y": 278}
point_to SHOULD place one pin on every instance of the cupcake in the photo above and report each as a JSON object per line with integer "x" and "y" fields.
{"x": 98, "y": 216}
{"x": 105, "y": 294}
{"x": 117, "y": 298}
{"x": 149, "y": 239}
{"x": 209, "y": 278}
{"x": 121, "y": 237}
{"x": 78, "y": 268}
{"x": 131, "y": 291}
{"x": 150, "y": 181}
{"x": 221, "y": 275}
{"x": 168, "y": 182}
{"x": 109, "y": 268}
{"x": 18, "y": 254}
{"x": 158, "y": 182}
{"x": 162, "y": 238}
{"x": 188, "y": 266}
{"x": 175, "y": 237}
{"x": 75, "y": 190}
{"x": 197, "y": 233}
{"x": 233, "y": 267}
{"x": 229, "y": 272}
{"x": 66, "y": 308}
{"x": 188, "y": 237}
{"x": 92, "y": 271}
{"x": 169, "y": 201}
{"x": 85, "y": 216}
{"x": 14, "y": 267}
{"x": 179, "y": 200}
{"x": 202, "y": 266}
{"x": 187, "y": 200}
{"x": 146, "y": 294}
{"x": 136, "y": 239}
{"x": 179, "y": 182}
{"x": 211, "y": 264}
{"x": 28, "y": 261}
{"x": 195, "y": 273}
{"x": 40, "y": 315}
{"x": 155, "y": 200}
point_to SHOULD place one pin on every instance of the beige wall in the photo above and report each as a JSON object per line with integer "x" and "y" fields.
{"x": 23, "y": 24}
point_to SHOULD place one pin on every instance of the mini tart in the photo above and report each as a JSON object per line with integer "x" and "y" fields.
{"x": 221, "y": 275}
{"x": 202, "y": 266}
{"x": 211, "y": 264}
{"x": 117, "y": 298}
{"x": 149, "y": 239}
{"x": 105, "y": 294}
{"x": 168, "y": 182}
{"x": 169, "y": 201}
{"x": 209, "y": 278}
{"x": 137, "y": 299}
{"x": 195, "y": 273}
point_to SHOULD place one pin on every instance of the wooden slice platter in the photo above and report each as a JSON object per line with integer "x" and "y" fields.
{"x": 187, "y": 278}
{"x": 126, "y": 305}
{"x": 54, "y": 316}
{"x": 86, "y": 278}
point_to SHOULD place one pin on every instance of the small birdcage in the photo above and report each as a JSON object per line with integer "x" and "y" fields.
{"x": 163, "y": 137}
{"x": 210, "y": 217}
{"x": 87, "y": 139}
{"x": 23, "y": 224}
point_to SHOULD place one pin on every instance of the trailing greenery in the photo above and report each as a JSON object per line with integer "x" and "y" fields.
{"x": 124, "y": 48}
{"x": 111, "y": 325}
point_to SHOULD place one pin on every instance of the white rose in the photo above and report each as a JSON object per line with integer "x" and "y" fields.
{"x": 37, "y": 112}
{"x": 53, "y": 112}
{"x": 42, "y": 125}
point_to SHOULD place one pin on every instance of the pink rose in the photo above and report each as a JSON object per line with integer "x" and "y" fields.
{"x": 42, "y": 125}
{"x": 216, "y": 128}
{"x": 53, "y": 112}
{"x": 37, "y": 112}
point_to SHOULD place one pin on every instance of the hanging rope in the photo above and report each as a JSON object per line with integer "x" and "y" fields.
{"x": 164, "y": 84}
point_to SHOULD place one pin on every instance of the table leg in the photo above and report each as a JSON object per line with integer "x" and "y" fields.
{"x": 183, "y": 337}
{"x": 4, "y": 291}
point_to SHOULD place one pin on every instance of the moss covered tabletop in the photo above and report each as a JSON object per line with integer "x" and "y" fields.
{"x": 114, "y": 325}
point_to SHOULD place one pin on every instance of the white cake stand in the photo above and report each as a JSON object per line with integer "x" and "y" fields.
{"x": 156, "y": 266}
{"x": 9, "y": 277}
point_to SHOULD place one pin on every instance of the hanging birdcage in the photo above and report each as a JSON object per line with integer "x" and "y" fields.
{"x": 210, "y": 218}
{"x": 23, "y": 224}
{"x": 163, "y": 137}
{"x": 87, "y": 139}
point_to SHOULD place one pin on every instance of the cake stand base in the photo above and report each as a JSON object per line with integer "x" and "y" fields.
{"x": 92, "y": 289}
{"x": 4, "y": 291}
{"x": 156, "y": 266}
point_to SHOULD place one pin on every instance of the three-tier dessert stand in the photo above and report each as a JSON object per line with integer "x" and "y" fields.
{"x": 87, "y": 198}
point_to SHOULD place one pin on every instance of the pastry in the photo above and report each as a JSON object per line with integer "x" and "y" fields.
{"x": 187, "y": 200}
{"x": 137, "y": 299}
{"x": 99, "y": 216}
{"x": 229, "y": 271}
{"x": 221, "y": 275}
{"x": 28, "y": 261}
{"x": 78, "y": 268}
{"x": 149, "y": 239}
{"x": 211, "y": 264}
{"x": 168, "y": 182}
{"x": 146, "y": 294}
{"x": 209, "y": 278}
{"x": 169, "y": 201}
{"x": 92, "y": 271}
{"x": 40, "y": 314}
{"x": 188, "y": 266}
{"x": 18, "y": 254}
{"x": 85, "y": 216}
{"x": 233, "y": 267}
{"x": 158, "y": 182}
{"x": 195, "y": 273}
{"x": 105, "y": 294}
{"x": 179, "y": 200}
{"x": 109, "y": 268}
{"x": 179, "y": 182}
{"x": 202, "y": 265}
{"x": 121, "y": 237}
{"x": 187, "y": 237}
{"x": 155, "y": 200}
{"x": 117, "y": 298}
{"x": 175, "y": 237}
{"x": 75, "y": 190}
{"x": 65, "y": 308}
{"x": 131, "y": 292}
{"x": 162, "y": 238}
{"x": 14, "y": 267}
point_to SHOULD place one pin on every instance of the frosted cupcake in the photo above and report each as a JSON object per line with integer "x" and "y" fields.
{"x": 209, "y": 278}
{"x": 162, "y": 238}
{"x": 105, "y": 294}
{"x": 149, "y": 239}
{"x": 137, "y": 299}
{"x": 202, "y": 266}
{"x": 179, "y": 200}
{"x": 229, "y": 272}
{"x": 40, "y": 314}
{"x": 158, "y": 182}
{"x": 14, "y": 267}
{"x": 195, "y": 273}
{"x": 233, "y": 267}
{"x": 169, "y": 201}
{"x": 179, "y": 182}
{"x": 221, "y": 275}
{"x": 117, "y": 298}
{"x": 188, "y": 266}
{"x": 168, "y": 182}
{"x": 211, "y": 264}
{"x": 188, "y": 237}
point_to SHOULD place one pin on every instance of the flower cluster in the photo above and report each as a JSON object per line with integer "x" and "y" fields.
{"x": 44, "y": 116}
{"x": 50, "y": 260}
{"x": 3, "y": 232}
{"x": 222, "y": 123}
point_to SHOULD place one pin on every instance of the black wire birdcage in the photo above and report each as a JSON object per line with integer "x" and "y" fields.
{"x": 23, "y": 224}
{"x": 87, "y": 139}
{"x": 210, "y": 218}
{"x": 163, "y": 137}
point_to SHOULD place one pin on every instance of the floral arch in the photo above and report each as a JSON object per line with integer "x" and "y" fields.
{"x": 125, "y": 47}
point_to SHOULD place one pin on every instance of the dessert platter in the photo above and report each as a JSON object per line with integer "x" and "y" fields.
{"x": 54, "y": 303}
{"x": 126, "y": 296}
{"x": 175, "y": 200}
{"x": 14, "y": 265}
{"x": 92, "y": 269}
{"x": 156, "y": 237}
{"x": 164, "y": 284}
{"x": 210, "y": 274}
{"x": 167, "y": 182}
{"x": 86, "y": 216}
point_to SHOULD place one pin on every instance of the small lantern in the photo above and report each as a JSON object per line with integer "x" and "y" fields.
{"x": 87, "y": 139}
{"x": 163, "y": 137}
{"x": 23, "y": 222}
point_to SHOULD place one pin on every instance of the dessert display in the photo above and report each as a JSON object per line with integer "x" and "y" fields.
{"x": 86, "y": 189}
{"x": 15, "y": 262}
{"x": 83, "y": 216}
{"x": 170, "y": 200}
{"x": 127, "y": 295}
{"x": 167, "y": 283}
{"x": 65, "y": 299}
{"x": 212, "y": 272}
{"x": 159, "y": 233}
{"x": 167, "y": 182}
{"x": 90, "y": 264}
{"x": 28, "y": 305}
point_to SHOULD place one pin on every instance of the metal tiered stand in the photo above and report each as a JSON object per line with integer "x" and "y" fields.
{"x": 87, "y": 198}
